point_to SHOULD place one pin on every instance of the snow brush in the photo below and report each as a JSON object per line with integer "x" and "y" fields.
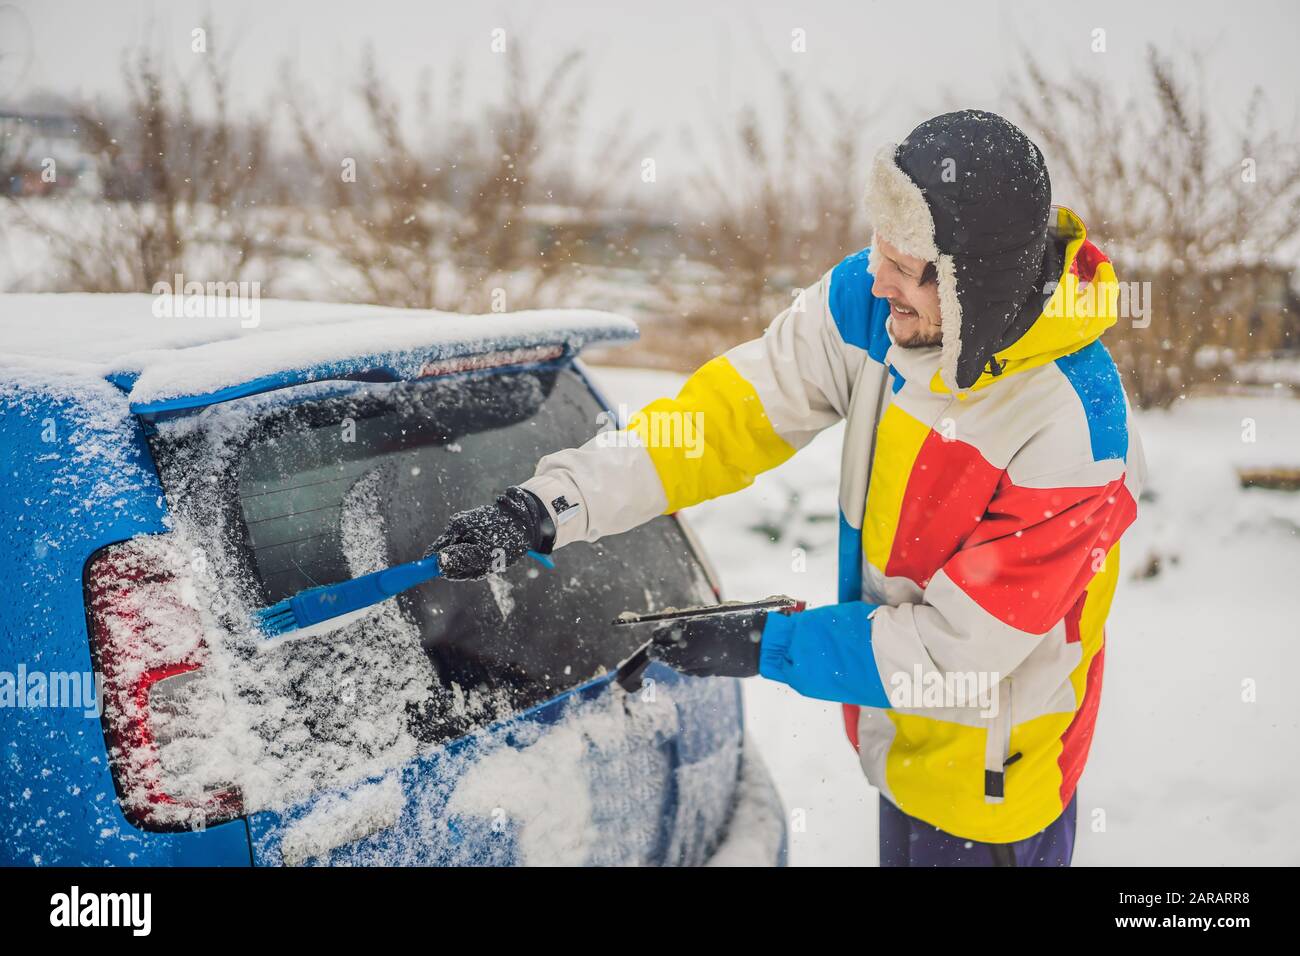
{"x": 317, "y": 605}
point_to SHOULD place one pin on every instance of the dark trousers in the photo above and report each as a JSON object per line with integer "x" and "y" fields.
{"x": 907, "y": 841}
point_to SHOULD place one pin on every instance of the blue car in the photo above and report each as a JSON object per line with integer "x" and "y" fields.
{"x": 164, "y": 477}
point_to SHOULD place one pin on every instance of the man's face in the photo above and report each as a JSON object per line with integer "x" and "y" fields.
{"x": 913, "y": 304}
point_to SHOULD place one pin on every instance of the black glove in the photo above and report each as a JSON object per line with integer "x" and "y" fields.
{"x": 720, "y": 645}
{"x": 490, "y": 538}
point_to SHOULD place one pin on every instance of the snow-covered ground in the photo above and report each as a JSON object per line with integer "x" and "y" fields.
{"x": 1197, "y": 750}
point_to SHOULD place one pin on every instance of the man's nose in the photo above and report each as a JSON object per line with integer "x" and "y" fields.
{"x": 884, "y": 287}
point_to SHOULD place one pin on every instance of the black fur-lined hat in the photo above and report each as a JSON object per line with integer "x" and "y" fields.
{"x": 970, "y": 192}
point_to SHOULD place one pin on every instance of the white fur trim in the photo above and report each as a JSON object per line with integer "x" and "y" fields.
{"x": 873, "y": 264}
{"x": 950, "y": 322}
{"x": 897, "y": 207}
{"x": 873, "y": 254}
{"x": 898, "y": 211}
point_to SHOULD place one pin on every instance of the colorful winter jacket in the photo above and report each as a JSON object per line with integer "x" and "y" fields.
{"x": 979, "y": 531}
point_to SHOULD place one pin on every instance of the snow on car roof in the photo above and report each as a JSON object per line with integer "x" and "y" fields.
{"x": 124, "y": 337}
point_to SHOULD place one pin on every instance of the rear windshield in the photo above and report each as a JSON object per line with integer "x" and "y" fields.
{"x": 289, "y": 496}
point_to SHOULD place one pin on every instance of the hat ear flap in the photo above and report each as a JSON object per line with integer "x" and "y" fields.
{"x": 950, "y": 313}
{"x": 897, "y": 207}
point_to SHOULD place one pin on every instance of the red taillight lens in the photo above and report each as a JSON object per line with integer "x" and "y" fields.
{"x": 147, "y": 636}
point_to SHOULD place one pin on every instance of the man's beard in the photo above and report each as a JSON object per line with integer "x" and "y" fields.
{"x": 921, "y": 339}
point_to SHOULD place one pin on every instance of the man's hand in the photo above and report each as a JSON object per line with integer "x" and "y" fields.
{"x": 490, "y": 538}
{"x": 721, "y": 645}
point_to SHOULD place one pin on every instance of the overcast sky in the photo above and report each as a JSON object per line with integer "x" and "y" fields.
{"x": 671, "y": 63}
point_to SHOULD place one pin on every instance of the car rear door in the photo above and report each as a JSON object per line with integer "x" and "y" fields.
{"x": 464, "y": 722}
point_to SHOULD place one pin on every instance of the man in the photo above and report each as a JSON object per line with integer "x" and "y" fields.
{"x": 990, "y": 467}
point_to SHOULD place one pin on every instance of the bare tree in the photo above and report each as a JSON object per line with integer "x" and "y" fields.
{"x": 1178, "y": 201}
{"x": 178, "y": 189}
{"x": 776, "y": 210}
{"x": 438, "y": 212}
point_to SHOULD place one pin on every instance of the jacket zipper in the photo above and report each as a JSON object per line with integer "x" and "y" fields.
{"x": 997, "y": 747}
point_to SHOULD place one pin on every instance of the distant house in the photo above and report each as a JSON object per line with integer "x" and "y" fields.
{"x": 43, "y": 154}
{"x": 1280, "y": 302}
{"x": 606, "y": 237}
{"x": 1263, "y": 297}
{"x": 1257, "y": 310}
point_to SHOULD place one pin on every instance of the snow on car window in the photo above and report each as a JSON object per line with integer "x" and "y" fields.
{"x": 321, "y": 483}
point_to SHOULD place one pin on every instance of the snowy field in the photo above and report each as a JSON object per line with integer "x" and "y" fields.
{"x": 1185, "y": 769}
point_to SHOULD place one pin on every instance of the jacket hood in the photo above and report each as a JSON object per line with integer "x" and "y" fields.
{"x": 1082, "y": 304}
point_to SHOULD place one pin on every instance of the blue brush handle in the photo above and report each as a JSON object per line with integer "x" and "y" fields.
{"x": 402, "y": 576}
{"x": 333, "y": 600}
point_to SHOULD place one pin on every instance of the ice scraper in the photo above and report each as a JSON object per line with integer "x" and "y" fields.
{"x": 629, "y": 672}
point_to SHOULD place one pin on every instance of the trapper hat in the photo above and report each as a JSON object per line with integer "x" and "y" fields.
{"x": 970, "y": 192}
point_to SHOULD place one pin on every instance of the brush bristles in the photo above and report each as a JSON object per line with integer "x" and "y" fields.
{"x": 276, "y": 620}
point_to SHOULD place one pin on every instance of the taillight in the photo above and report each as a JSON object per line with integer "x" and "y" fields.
{"x": 147, "y": 637}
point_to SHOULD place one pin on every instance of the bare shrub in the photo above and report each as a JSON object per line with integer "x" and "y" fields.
{"x": 441, "y": 211}
{"x": 178, "y": 190}
{"x": 1168, "y": 195}
{"x": 768, "y": 218}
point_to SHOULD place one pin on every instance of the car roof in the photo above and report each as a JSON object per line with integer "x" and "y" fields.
{"x": 166, "y": 361}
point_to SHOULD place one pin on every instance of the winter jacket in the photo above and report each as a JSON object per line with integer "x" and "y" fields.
{"x": 979, "y": 529}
